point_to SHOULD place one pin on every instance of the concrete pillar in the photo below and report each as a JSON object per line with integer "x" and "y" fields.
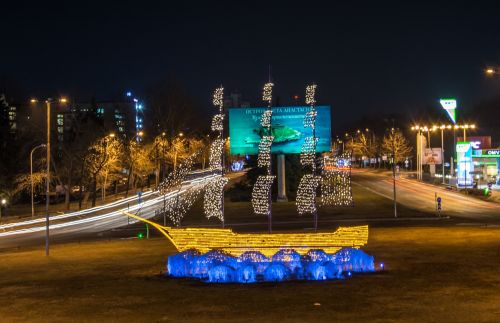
{"x": 281, "y": 179}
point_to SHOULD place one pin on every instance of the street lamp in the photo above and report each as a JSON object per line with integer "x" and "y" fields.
{"x": 3, "y": 202}
{"x": 490, "y": 71}
{"x": 31, "y": 177}
{"x": 443, "y": 127}
{"x": 48, "y": 103}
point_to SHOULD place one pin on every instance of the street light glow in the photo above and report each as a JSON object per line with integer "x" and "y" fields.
{"x": 63, "y": 100}
{"x": 490, "y": 71}
{"x": 4, "y": 201}
{"x": 33, "y": 100}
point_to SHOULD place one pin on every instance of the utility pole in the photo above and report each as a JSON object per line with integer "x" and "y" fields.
{"x": 47, "y": 196}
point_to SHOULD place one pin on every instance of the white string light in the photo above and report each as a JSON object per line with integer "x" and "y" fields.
{"x": 264, "y": 158}
{"x": 267, "y": 93}
{"x": 265, "y": 119}
{"x": 175, "y": 178}
{"x": 261, "y": 194}
{"x": 214, "y": 193}
{"x": 306, "y": 194}
{"x": 177, "y": 207}
{"x": 216, "y": 151}
{"x": 336, "y": 188}
{"x": 213, "y": 204}
{"x": 218, "y": 122}
{"x": 310, "y": 119}
{"x": 310, "y": 94}
{"x": 308, "y": 152}
{"x": 218, "y": 99}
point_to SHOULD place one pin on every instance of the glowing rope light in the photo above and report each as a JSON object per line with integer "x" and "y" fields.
{"x": 214, "y": 193}
{"x": 306, "y": 194}
{"x": 264, "y": 157}
{"x": 261, "y": 194}
{"x": 205, "y": 239}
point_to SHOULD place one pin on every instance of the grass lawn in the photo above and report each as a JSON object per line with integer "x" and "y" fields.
{"x": 368, "y": 205}
{"x": 432, "y": 274}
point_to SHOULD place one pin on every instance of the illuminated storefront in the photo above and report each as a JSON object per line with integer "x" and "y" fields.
{"x": 477, "y": 162}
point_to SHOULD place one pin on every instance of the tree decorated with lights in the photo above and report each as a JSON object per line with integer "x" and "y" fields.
{"x": 261, "y": 194}
{"x": 306, "y": 193}
{"x": 213, "y": 203}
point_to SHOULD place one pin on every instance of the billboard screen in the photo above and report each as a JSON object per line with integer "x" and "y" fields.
{"x": 287, "y": 126}
{"x": 432, "y": 156}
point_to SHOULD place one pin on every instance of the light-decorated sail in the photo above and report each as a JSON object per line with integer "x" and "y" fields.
{"x": 336, "y": 187}
{"x": 261, "y": 193}
{"x": 306, "y": 193}
{"x": 213, "y": 199}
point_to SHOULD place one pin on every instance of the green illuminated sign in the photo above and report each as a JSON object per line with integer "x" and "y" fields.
{"x": 450, "y": 106}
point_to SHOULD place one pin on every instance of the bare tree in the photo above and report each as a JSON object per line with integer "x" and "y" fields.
{"x": 396, "y": 145}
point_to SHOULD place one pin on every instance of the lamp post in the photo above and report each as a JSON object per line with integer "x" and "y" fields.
{"x": 31, "y": 177}
{"x": 3, "y": 202}
{"x": 48, "y": 103}
{"x": 454, "y": 127}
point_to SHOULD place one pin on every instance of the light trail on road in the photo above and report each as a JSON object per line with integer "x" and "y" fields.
{"x": 114, "y": 215}
{"x": 421, "y": 196}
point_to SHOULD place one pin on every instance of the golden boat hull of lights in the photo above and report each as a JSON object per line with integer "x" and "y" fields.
{"x": 204, "y": 240}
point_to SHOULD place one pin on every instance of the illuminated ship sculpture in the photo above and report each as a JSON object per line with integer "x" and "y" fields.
{"x": 235, "y": 244}
{"x": 221, "y": 255}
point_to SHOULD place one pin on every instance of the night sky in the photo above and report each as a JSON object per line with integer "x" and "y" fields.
{"x": 366, "y": 59}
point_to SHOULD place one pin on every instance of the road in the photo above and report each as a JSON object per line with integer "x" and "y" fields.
{"x": 421, "y": 196}
{"x": 103, "y": 218}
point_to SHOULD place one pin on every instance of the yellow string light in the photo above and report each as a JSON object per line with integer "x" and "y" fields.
{"x": 206, "y": 239}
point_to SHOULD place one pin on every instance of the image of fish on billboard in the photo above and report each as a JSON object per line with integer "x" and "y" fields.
{"x": 287, "y": 125}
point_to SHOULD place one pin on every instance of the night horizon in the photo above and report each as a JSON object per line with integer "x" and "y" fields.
{"x": 369, "y": 60}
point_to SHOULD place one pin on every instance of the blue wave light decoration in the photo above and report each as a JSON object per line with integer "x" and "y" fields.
{"x": 252, "y": 266}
